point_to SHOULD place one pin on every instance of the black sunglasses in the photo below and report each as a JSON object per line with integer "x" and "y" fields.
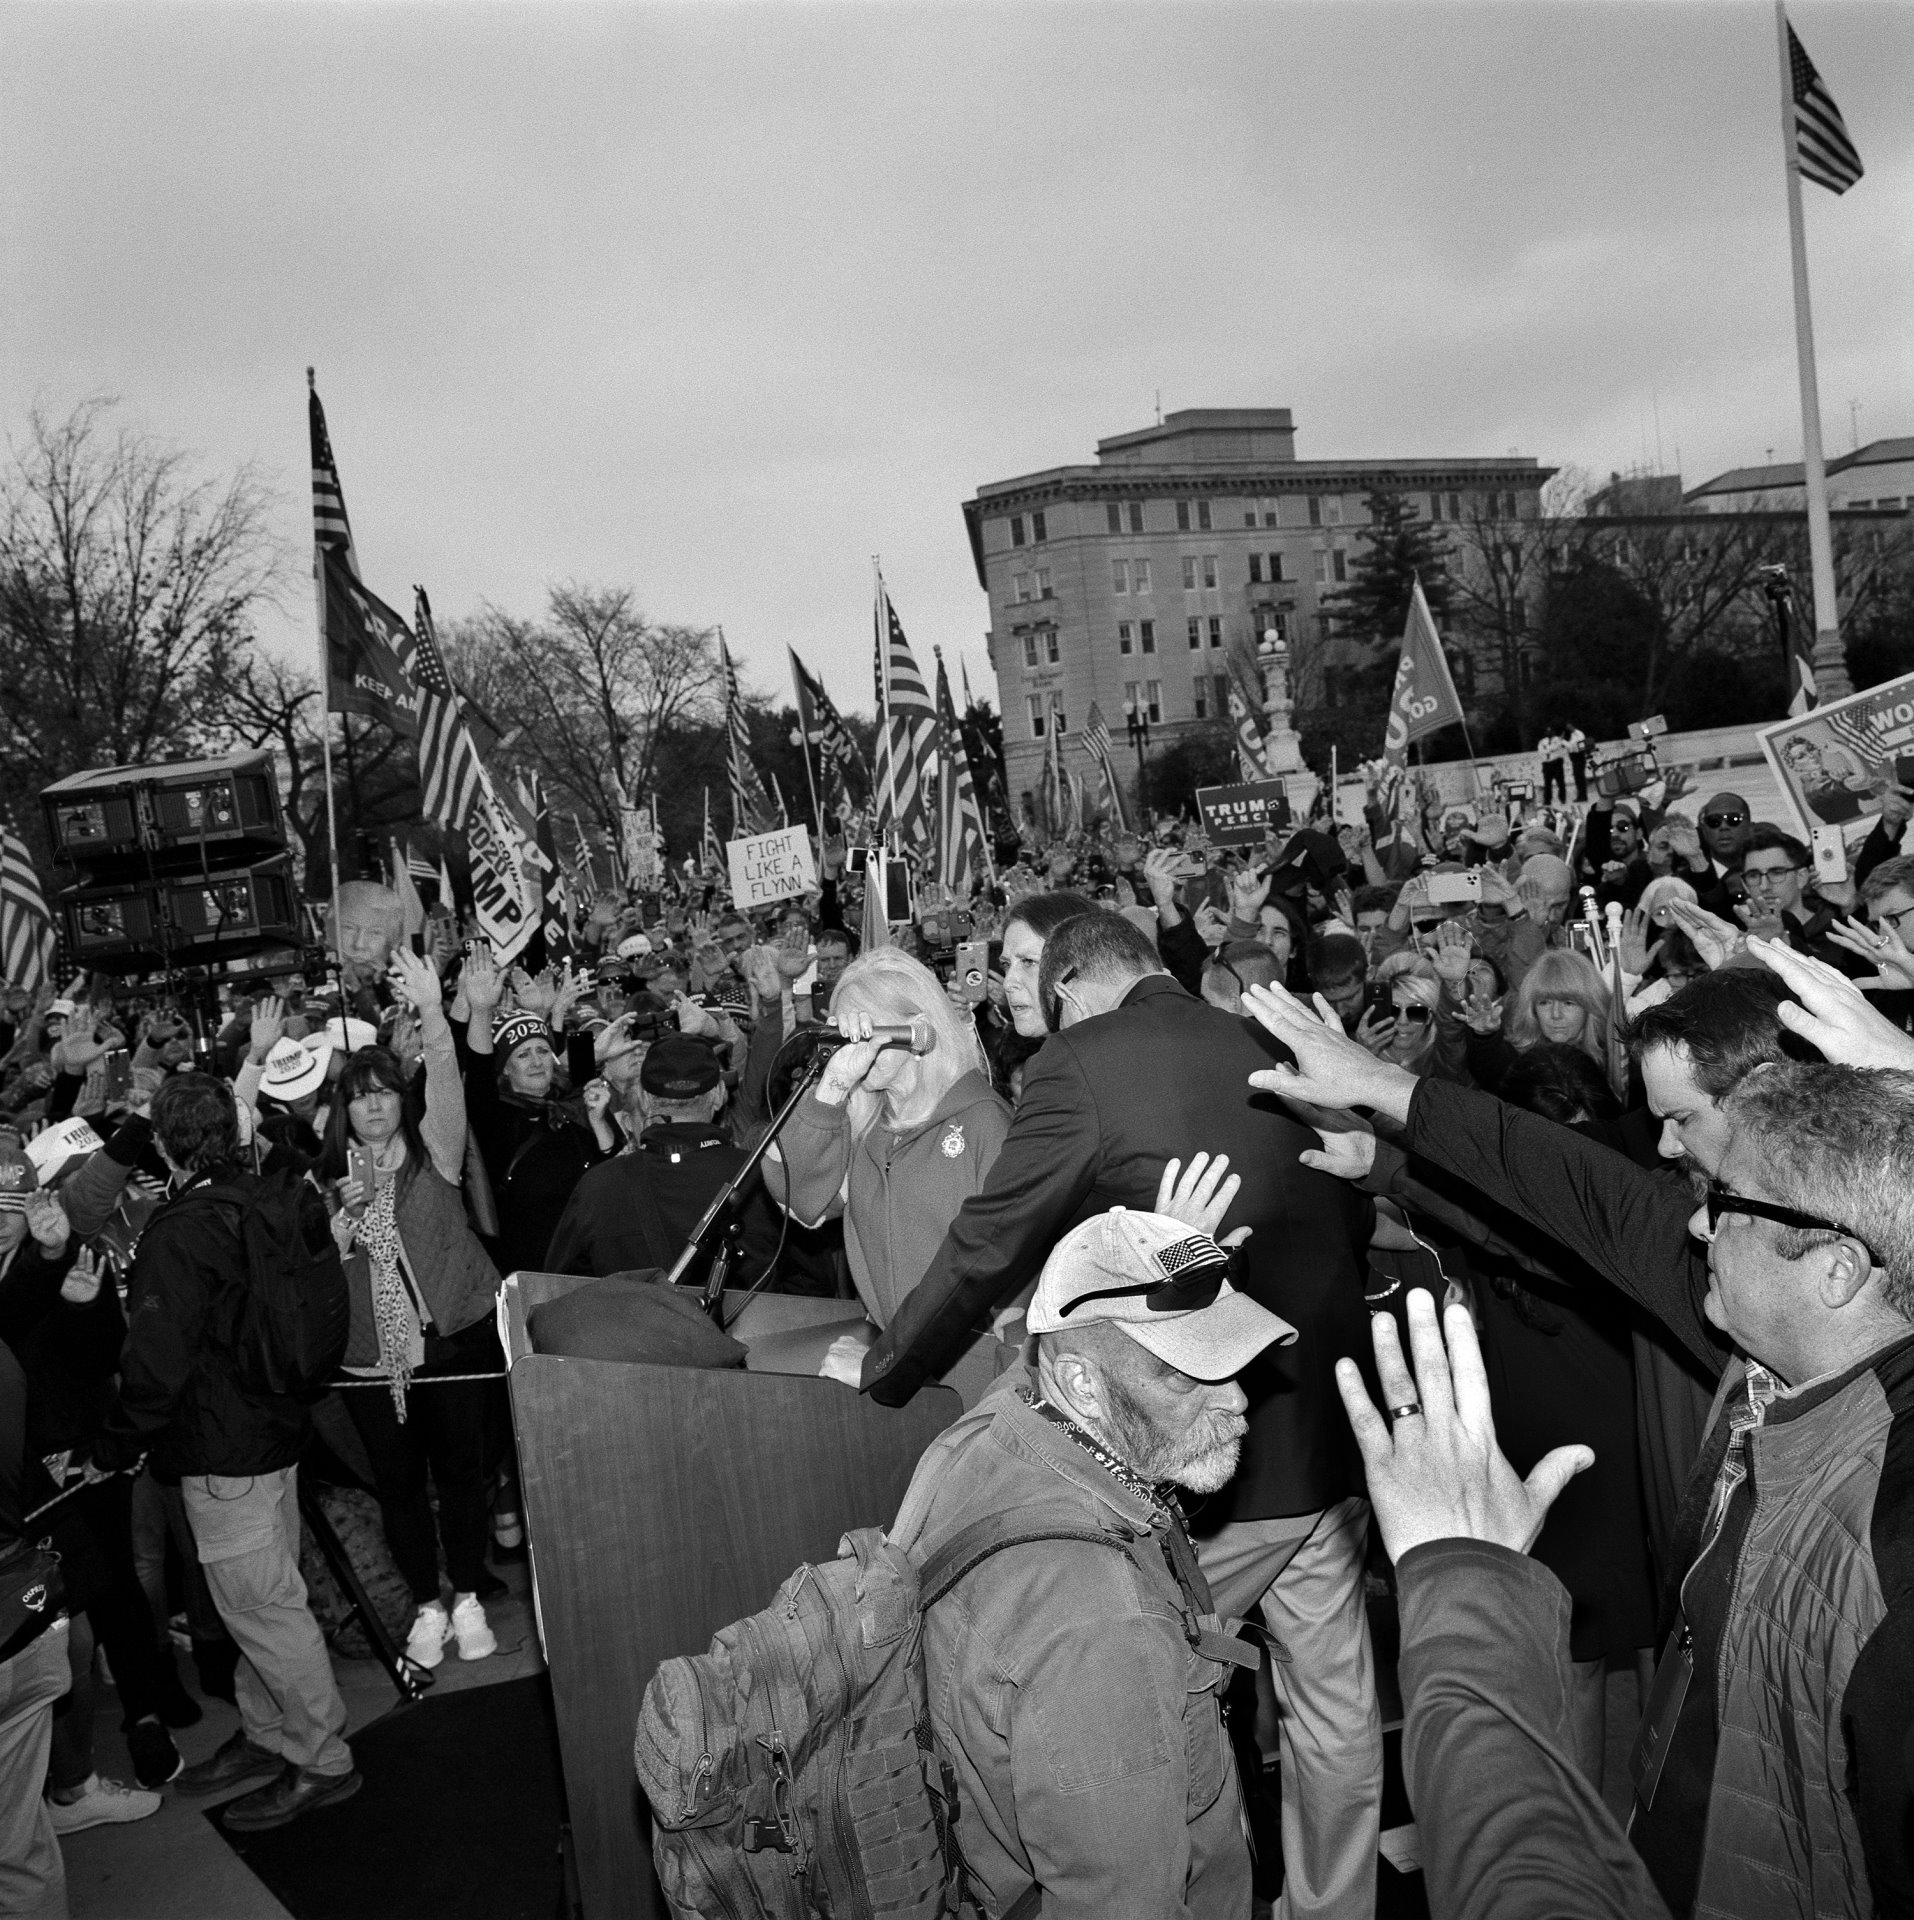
{"x": 1194, "y": 1288}
{"x": 1721, "y": 1200}
{"x": 1416, "y": 1014}
{"x": 1723, "y": 819}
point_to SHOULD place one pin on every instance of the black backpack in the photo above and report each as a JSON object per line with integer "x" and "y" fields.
{"x": 288, "y": 1327}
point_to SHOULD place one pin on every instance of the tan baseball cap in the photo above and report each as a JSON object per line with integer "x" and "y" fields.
{"x": 1165, "y": 1284}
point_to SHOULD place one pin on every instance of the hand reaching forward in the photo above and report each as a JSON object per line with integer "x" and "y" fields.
{"x": 1883, "y": 947}
{"x": 1331, "y": 1070}
{"x": 1435, "y": 1473}
{"x": 1715, "y": 939}
{"x": 1833, "y": 1013}
{"x": 1201, "y": 1196}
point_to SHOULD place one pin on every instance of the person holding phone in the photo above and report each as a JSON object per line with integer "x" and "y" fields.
{"x": 422, "y": 1288}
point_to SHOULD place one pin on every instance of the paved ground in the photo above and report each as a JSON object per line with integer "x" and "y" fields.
{"x": 174, "y": 1866}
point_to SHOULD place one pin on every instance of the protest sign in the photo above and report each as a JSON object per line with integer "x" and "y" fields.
{"x": 1835, "y": 763}
{"x": 770, "y": 866}
{"x": 1237, "y": 816}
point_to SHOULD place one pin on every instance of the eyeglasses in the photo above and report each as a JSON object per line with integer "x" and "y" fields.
{"x": 1765, "y": 877}
{"x": 1897, "y": 919}
{"x": 1415, "y": 1013}
{"x": 1724, "y": 819}
{"x": 1721, "y": 1200}
{"x": 1194, "y": 1288}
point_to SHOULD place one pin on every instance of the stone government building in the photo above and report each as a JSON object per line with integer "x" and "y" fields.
{"x": 1131, "y": 582}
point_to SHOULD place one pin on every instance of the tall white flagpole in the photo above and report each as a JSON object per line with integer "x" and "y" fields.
{"x": 1830, "y": 666}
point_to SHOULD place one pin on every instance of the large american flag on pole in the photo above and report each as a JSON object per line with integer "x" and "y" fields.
{"x": 26, "y": 928}
{"x": 330, "y": 528}
{"x": 963, "y": 854}
{"x": 1822, "y": 148}
{"x": 910, "y": 726}
{"x": 823, "y": 728}
{"x": 751, "y": 810}
{"x": 448, "y": 758}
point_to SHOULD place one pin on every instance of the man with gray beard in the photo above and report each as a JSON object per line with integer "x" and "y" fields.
{"x": 1075, "y": 1682}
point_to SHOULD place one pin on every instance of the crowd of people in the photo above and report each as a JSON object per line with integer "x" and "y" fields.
{"x": 1594, "y": 1112}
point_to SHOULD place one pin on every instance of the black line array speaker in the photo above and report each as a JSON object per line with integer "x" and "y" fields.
{"x": 187, "y": 919}
{"x": 119, "y": 823}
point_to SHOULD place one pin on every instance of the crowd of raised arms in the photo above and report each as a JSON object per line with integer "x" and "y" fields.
{"x": 1509, "y": 1206}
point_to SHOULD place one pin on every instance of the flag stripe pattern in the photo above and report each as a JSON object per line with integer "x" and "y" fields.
{"x": 962, "y": 855}
{"x": 26, "y": 927}
{"x": 911, "y": 722}
{"x": 881, "y": 808}
{"x": 1821, "y": 145}
{"x": 1096, "y": 737}
{"x": 330, "y": 527}
{"x": 825, "y": 733}
{"x": 750, "y": 804}
{"x": 448, "y": 757}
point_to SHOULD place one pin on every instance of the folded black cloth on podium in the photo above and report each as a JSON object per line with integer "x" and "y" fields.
{"x": 632, "y": 1317}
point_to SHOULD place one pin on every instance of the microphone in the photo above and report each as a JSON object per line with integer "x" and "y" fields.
{"x": 915, "y": 1036}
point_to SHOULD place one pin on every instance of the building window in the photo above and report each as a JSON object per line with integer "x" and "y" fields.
{"x": 1315, "y": 511}
{"x": 1278, "y": 573}
{"x": 1020, "y": 585}
{"x": 1037, "y": 528}
{"x": 1043, "y": 583}
{"x": 1269, "y": 516}
{"x": 1209, "y": 569}
{"x": 1114, "y": 514}
{"x": 1455, "y": 506}
{"x": 1256, "y": 569}
{"x": 1126, "y": 637}
{"x": 1435, "y": 506}
{"x": 1039, "y": 707}
{"x": 1132, "y": 692}
{"x": 1339, "y": 565}
{"x": 1216, "y": 630}
{"x": 1196, "y": 633}
{"x": 1276, "y": 623}
{"x": 1146, "y": 635}
{"x": 1189, "y": 573}
{"x": 1221, "y": 684}
{"x": 1182, "y": 516}
{"x": 1201, "y": 689}
{"x": 1332, "y": 511}
{"x": 1030, "y": 649}
{"x": 1056, "y": 713}
{"x": 1140, "y": 575}
{"x": 1050, "y": 644}
{"x": 1119, "y": 576}
{"x": 1249, "y": 518}
{"x": 1136, "y": 516}
{"x": 1153, "y": 701}
{"x": 1016, "y": 530}
{"x": 1322, "y": 569}
{"x": 1202, "y": 516}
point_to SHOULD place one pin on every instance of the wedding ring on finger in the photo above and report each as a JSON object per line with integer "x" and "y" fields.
{"x": 1412, "y": 1410}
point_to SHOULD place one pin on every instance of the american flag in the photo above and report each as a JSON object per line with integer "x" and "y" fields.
{"x": 555, "y": 924}
{"x": 910, "y": 727}
{"x": 963, "y": 852}
{"x": 1856, "y": 731}
{"x": 26, "y": 928}
{"x": 330, "y": 528}
{"x": 448, "y": 758}
{"x": 822, "y": 731}
{"x": 710, "y": 852}
{"x": 881, "y": 744}
{"x": 1821, "y": 145}
{"x": 751, "y": 810}
{"x": 1096, "y": 737}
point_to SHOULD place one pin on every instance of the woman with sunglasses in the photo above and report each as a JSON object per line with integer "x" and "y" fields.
{"x": 1415, "y": 1034}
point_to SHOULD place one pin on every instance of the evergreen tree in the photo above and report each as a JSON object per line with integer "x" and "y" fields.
{"x": 1395, "y": 549}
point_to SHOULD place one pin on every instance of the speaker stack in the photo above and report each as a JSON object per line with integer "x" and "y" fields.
{"x": 178, "y": 864}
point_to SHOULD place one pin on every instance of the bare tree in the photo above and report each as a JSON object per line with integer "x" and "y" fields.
{"x": 127, "y": 588}
{"x": 586, "y": 695}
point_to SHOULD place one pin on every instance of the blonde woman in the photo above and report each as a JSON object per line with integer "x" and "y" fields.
{"x": 896, "y": 1142}
{"x": 1562, "y": 1001}
{"x": 1415, "y": 1035}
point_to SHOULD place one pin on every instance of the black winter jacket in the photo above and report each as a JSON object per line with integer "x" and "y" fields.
{"x": 179, "y": 1400}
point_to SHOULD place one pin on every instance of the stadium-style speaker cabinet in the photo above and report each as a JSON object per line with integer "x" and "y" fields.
{"x": 182, "y": 920}
{"x": 116, "y": 823}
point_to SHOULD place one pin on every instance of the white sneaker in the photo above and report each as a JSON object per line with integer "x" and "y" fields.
{"x": 104, "y": 1803}
{"x": 426, "y": 1643}
{"x": 475, "y": 1638}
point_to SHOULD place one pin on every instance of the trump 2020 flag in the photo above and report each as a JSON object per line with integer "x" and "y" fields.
{"x": 1425, "y": 699}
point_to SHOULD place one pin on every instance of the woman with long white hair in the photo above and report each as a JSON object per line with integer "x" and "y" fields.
{"x": 896, "y": 1142}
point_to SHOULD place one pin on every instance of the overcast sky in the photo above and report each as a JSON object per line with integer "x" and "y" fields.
{"x": 720, "y": 300}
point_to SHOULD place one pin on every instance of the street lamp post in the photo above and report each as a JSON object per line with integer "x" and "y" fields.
{"x": 1139, "y": 725}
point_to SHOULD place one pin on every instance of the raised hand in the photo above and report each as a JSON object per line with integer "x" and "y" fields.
{"x": 1833, "y": 1015}
{"x": 1212, "y": 924}
{"x": 1715, "y": 940}
{"x": 47, "y": 1222}
{"x": 1159, "y": 874}
{"x": 1637, "y": 955}
{"x": 480, "y": 980}
{"x": 269, "y": 1026}
{"x": 1884, "y": 947}
{"x": 1434, "y": 1470}
{"x": 414, "y": 980}
{"x": 1247, "y": 892}
{"x": 1375, "y": 1030}
{"x": 535, "y": 995}
{"x": 81, "y": 1287}
{"x": 1331, "y": 1069}
{"x": 1200, "y": 1196}
{"x": 1454, "y": 951}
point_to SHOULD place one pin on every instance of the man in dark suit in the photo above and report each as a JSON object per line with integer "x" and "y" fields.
{"x": 1138, "y": 1072}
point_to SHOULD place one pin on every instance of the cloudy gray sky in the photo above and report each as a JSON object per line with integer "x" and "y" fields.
{"x": 720, "y": 300}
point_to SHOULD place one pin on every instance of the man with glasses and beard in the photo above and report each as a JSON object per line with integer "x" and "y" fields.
{"x": 1771, "y": 1774}
{"x": 1075, "y": 1683}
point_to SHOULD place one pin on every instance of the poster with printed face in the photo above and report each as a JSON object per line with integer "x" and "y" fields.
{"x": 770, "y": 866}
{"x": 1837, "y": 762}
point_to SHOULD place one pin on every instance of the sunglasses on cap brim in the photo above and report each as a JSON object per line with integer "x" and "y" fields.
{"x": 1192, "y": 1290}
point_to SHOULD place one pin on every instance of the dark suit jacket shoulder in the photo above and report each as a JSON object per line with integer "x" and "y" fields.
{"x": 1105, "y": 1106}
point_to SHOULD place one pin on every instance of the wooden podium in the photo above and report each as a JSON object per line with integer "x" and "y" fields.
{"x": 662, "y": 1503}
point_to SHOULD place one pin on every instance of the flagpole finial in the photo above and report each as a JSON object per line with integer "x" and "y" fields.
{"x": 310, "y": 380}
